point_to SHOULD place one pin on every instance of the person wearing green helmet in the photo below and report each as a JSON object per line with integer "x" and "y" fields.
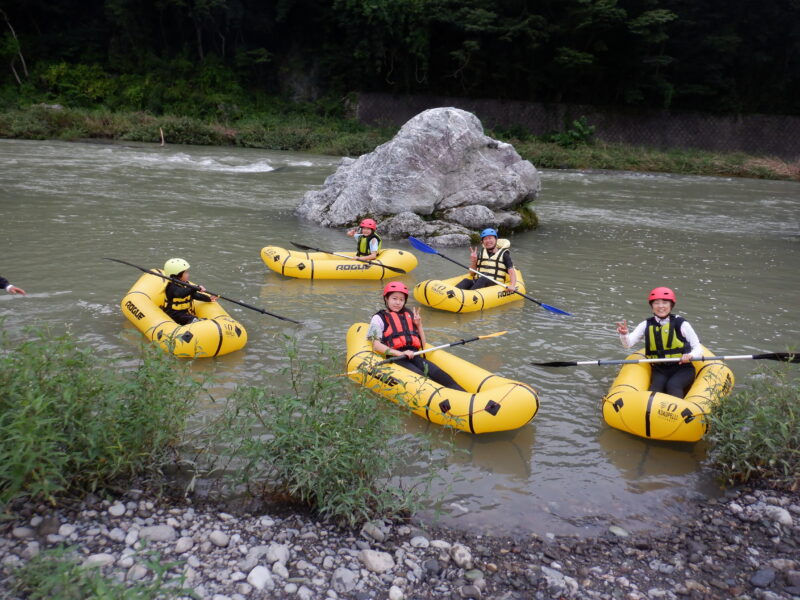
{"x": 178, "y": 298}
{"x": 491, "y": 261}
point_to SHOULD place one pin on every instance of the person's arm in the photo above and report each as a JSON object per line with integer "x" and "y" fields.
{"x": 512, "y": 273}
{"x": 11, "y": 289}
{"x": 375, "y": 333}
{"x": 630, "y": 339}
{"x": 691, "y": 338}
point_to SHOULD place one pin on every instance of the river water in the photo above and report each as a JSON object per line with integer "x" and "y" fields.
{"x": 730, "y": 248}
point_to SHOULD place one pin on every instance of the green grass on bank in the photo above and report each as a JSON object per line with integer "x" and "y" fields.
{"x": 308, "y": 131}
{"x": 755, "y": 432}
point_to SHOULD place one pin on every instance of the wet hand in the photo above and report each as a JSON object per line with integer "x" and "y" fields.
{"x": 12, "y": 289}
{"x": 473, "y": 254}
{"x": 408, "y": 354}
{"x": 685, "y": 359}
{"x": 214, "y": 298}
{"x": 622, "y": 327}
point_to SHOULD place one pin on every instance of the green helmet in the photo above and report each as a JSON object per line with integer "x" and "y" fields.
{"x": 175, "y": 266}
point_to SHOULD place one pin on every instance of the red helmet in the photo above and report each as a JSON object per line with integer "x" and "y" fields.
{"x": 395, "y": 286}
{"x": 369, "y": 223}
{"x": 662, "y": 293}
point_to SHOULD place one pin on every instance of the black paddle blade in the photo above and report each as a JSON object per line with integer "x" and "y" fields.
{"x": 556, "y": 364}
{"x": 781, "y": 356}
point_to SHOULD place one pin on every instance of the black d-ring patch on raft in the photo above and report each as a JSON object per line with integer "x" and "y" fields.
{"x": 687, "y": 415}
{"x": 444, "y": 406}
{"x": 617, "y": 404}
{"x": 492, "y": 407}
{"x": 187, "y": 337}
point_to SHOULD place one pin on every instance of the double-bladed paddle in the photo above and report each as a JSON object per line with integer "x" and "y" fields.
{"x": 423, "y": 247}
{"x": 197, "y": 288}
{"x": 418, "y": 352}
{"x": 368, "y": 262}
{"x": 781, "y": 356}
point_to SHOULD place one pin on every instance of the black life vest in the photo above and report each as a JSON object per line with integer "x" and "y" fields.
{"x": 399, "y": 331}
{"x": 363, "y": 244}
{"x": 178, "y": 303}
{"x": 665, "y": 341}
{"x": 493, "y": 265}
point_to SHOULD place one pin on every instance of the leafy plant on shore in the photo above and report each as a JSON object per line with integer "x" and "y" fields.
{"x": 58, "y": 573}
{"x": 326, "y": 444}
{"x": 755, "y": 432}
{"x": 73, "y": 422}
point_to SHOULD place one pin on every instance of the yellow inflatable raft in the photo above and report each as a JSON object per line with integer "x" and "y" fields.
{"x": 631, "y": 407}
{"x": 444, "y": 295}
{"x": 321, "y": 265}
{"x": 215, "y": 335}
{"x": 491, "y": 403}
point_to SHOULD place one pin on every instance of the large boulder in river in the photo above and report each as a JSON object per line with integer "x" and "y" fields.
{"x": 440, "y": 165}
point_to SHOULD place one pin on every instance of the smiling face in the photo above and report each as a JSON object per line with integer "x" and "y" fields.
{"x": 366, "y": 231}
{"x": 489, "y": 242}
{"x": 661, "y": 308}
{"x": 395, "y": 301}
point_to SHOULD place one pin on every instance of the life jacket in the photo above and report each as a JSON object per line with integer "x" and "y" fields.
{"x": 492, "y": 265}
{"x": 179, "y": 303}
{"x": 399, "y": 331}
{"x": 363, "y": 244}
{"x": 665, "y": 341}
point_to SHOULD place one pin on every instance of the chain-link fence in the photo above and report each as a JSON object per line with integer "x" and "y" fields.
{"x": 770, "y": 135}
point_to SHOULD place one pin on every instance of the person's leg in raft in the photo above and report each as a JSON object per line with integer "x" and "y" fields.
{"x": 658, "y": 378}
{"x": 680, "y": 382}
{"x": 465, "y": 284}
{"x": 423, "y": 367}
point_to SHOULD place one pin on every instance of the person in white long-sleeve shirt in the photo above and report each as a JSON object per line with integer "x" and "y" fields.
{"x": 666, "y": 336}
{"x": 11, "y": 289}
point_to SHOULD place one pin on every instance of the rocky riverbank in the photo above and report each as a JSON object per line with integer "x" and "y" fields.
{"x": 745, "y": 545}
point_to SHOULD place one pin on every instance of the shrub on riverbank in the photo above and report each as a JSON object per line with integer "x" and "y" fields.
{"x": 326, "y": 444}
{"x": 58, "y": 573}
{"x": 308, "y": 129}
{"x": 755, "y": 432}
{"x": 71, "y": 421}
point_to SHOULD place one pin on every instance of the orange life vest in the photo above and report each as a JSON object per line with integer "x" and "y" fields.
{"x": 399, "y": 331}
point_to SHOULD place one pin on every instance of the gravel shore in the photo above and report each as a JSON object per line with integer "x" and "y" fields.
{"x": 744, "y": 545}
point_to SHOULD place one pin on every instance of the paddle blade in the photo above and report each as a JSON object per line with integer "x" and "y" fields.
{"x": 554, "y": 309}
{"x": 491, "y": 335}
{"x": 302, "y": 247}
{"x": 556, "y": 364}
{"x": 781, "y": 356}
{"x": 421, "y": 246}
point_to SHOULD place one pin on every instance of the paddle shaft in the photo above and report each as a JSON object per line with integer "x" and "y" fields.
{"x": 423, "y": 351}
{"x": 197, "y": 288}
{"x": 368, "y": 262}
{"x": 781, "y": 356}
{"x": 425, "y": 248}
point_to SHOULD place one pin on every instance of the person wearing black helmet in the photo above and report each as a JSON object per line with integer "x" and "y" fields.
{"x": 666, "y": 336}
{"x": 178, "y": 298}
{"x": 492, "y": 261}
{"x": 396, "y": 331}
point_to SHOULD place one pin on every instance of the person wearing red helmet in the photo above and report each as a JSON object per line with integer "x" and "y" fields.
{"x": 368, "y": 243}
{"x": 666, "y": 336}
{"x": 397, "y": 331}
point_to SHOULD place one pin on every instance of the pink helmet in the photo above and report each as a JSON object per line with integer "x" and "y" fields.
{"x": 369, "y": 223}
{"x": 395, "y": 286}
{"x": 662, "y": 293}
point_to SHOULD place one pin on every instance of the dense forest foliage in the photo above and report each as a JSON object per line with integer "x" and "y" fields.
{"x": 203, "y": 57}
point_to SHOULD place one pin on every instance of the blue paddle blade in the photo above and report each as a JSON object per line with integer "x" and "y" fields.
{"x": 554, "y": 309}
{"x": 421, "y": 246}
